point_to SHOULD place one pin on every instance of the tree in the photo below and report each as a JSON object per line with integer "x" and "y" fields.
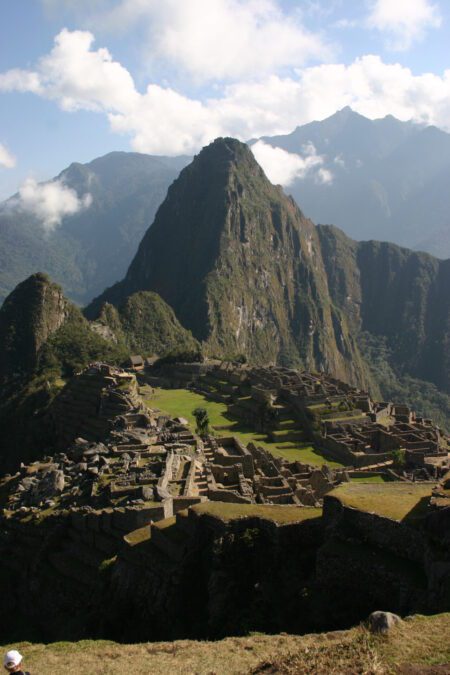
{"x": 399, "y": 457}
{"x": 202, "y": 421}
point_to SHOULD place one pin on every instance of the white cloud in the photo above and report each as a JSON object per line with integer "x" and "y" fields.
{"x": 164, "y": 121}
{"x": 403, "y": 21}
{"x": 77, "y": 76}
{"x": 220, "y": 39}
{"x": 282, "y": 167}
{"x": 324, "y": 176}
{"x": 49, "y": 202}
{"x": 6, "y": 158}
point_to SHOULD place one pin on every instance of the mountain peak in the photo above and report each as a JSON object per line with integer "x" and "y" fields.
{"x": 225, "y": 152}
{"x": 239, "y": 264}
{"x": 347, "y": 111}
{"x": 34, "y": 310}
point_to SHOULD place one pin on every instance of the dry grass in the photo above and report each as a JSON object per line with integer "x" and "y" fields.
{"x": 421, "y": 640}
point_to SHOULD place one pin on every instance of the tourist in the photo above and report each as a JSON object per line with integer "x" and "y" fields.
{"x": 13, "y": 662}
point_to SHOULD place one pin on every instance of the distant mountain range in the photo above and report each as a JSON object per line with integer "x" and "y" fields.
{"x": 388, "y": 180}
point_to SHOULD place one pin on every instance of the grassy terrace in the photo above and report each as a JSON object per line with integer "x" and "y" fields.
{"x": 181, "y": 403}
{"x": 279, "y": 514}
{"x": 422, "y": 641}
{"x": 368, "y": 479}
{"x": 398, "y": 501}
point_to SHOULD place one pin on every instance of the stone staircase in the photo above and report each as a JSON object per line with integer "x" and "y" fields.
{"x": 201, "y": 482}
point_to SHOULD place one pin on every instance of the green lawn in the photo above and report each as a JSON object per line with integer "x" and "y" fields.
{"x": 181, "y": 403}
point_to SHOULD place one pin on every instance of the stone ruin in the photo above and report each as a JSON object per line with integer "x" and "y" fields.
{"x": 342, "y": 420}
{"x": 143, "y": 466}
{"x": 249, "y": 475}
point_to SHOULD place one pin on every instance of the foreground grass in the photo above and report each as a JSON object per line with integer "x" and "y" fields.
{"x": 181, "y": 403}
{"x": 422, "y": 641}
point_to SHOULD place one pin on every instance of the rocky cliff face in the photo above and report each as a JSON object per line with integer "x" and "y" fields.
{"x": 398, "y": 294}
{"x": 30, "y": 315}
{"x": 242, "y": 267}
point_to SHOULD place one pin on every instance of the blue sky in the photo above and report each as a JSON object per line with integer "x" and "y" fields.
{"x": 238, "y": 67}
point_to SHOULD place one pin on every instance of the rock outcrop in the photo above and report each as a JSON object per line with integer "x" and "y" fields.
{"x": 30, "y": 315}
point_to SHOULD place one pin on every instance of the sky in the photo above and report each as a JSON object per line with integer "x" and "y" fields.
{"x": 80, "y": 78}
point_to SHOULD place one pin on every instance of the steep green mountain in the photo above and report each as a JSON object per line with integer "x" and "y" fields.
{"x": 41, "y": 332}
{"x": 241, "y": 266}
{"x": 249, "y": 274}
{"x": 92, "y": 248}
{"x": 34, "y": 311}
{"x": 399, "y": 297}
{"x": 389, "y": 179}
{"x": 146, "y": 325}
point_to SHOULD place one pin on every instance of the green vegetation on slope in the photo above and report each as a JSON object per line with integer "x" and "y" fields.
{"x": 182, "y": 403}
{"x": 242, "y": 268}
{"x": 73, "y": 346}
{"x": 397, "y": 304}
{"x": 423, "y": 397}
{"x": 147, "y": 325}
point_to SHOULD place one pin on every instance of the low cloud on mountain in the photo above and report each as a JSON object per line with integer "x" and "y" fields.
{"x": 49, "y": 202}
{"x": 282, "y": 167}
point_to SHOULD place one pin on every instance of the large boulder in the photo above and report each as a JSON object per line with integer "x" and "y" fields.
{"x": 382, "y": 622}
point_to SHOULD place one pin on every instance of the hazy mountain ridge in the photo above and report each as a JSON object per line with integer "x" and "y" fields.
{"x": 389, "y": 181}
{"x": 92, "y": 248}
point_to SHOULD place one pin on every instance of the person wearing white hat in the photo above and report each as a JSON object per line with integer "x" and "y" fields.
{"x": 13, "y": 662}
